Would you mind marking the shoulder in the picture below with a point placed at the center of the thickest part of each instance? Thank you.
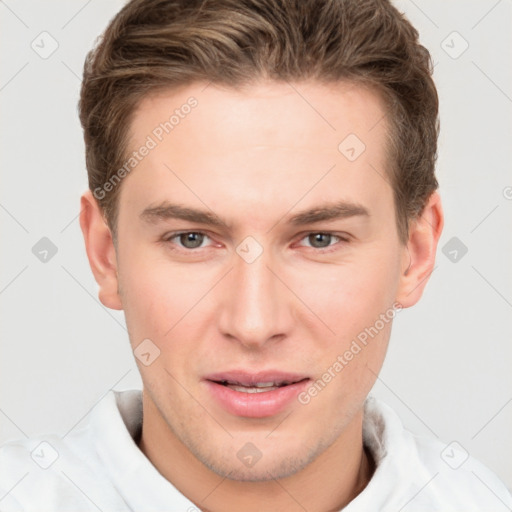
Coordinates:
(44, 472)
(419, 473)
(456, 477)
(49, 472)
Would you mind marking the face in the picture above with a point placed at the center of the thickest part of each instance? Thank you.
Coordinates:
(257, 242)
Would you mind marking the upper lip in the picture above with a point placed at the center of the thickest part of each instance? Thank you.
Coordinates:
(245, 378)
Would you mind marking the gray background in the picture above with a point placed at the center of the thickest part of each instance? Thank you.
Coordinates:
(448, 369)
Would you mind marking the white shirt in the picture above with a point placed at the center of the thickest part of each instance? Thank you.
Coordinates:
(100, 467)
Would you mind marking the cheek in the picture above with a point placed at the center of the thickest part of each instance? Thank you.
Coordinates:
(153, 297)
(166, 302)
(350, 296)
(156, 301)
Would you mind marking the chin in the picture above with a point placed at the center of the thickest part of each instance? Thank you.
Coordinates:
(267, 468)
(259, 472)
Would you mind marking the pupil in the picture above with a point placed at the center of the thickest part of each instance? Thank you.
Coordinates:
(191, 240)
(320, 240)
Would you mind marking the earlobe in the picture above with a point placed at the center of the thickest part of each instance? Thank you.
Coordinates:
(100, 250)
(420, 252)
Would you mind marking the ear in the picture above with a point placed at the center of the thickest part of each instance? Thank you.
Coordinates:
(100, 250)
(420, 252)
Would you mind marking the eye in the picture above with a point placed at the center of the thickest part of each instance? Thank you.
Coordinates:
(321, 240)
(188, 239)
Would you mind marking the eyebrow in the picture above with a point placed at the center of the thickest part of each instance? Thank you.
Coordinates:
(167, 211)
(329, 211)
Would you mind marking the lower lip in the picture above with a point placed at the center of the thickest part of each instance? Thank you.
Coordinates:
(255, 405)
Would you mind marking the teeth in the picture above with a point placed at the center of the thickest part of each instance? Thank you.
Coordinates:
(256, 385)
(256, 389)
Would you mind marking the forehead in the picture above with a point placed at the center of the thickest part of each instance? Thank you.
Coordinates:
(262, 113)
(268, 143)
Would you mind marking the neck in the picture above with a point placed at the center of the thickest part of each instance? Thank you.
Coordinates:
(328, 483)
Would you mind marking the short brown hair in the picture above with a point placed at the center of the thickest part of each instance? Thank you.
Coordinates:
(152, 45)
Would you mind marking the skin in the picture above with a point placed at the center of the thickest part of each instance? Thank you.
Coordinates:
(256, 156)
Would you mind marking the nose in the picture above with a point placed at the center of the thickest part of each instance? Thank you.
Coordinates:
(256, 309)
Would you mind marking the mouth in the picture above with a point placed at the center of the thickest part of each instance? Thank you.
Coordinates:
(257, 387)
(255, 395)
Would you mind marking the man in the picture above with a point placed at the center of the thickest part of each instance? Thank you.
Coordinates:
(262, 204)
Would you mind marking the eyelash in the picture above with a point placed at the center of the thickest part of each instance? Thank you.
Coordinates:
(170, 236)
